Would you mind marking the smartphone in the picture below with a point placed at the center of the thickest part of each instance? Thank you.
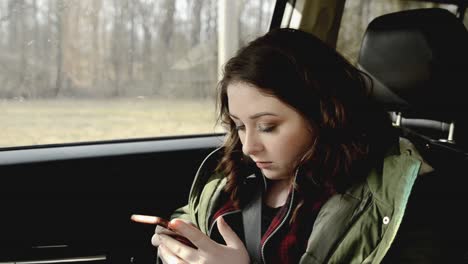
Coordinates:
(156, 220)
(148, 219)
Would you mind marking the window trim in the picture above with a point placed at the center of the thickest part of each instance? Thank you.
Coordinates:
(47, 153)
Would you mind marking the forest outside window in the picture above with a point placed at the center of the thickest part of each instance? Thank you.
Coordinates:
(91, 70)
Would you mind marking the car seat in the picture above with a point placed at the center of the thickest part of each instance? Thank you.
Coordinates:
(418, 62)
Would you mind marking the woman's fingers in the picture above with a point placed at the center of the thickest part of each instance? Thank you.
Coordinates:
(188, 230)
(167, 256)
(229, 236)
(164, 231)
(158, 231)
(155, 240)
(186, 221)
(207, 251)
(179, 249)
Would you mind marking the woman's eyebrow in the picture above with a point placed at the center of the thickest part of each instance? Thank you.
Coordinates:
(255, 116)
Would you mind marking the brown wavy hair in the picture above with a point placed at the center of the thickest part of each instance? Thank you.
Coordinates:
(328, 91)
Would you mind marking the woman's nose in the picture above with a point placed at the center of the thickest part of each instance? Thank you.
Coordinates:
(252, 144)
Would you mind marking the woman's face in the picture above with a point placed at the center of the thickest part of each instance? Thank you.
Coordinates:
(273, 134)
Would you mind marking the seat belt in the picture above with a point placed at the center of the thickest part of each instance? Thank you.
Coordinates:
(252, 222)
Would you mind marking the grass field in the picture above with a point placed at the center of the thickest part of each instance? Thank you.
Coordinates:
(53, 121)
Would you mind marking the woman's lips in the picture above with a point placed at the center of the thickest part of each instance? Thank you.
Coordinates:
(263, 164)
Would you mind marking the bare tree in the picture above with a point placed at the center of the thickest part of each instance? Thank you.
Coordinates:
(59, 14)
(145, 10)
(46, 44)
(212, 20)
(167, 25)
(96, 53)
(36, 30)
(21, 39)
(132, 33)
(13, 7)
(166, 30)
(117, 45)
(196, 7)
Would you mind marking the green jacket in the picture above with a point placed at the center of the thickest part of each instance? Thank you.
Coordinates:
(355, 227)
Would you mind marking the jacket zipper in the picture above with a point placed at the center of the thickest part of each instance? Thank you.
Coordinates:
(280, 225)
(282, 221)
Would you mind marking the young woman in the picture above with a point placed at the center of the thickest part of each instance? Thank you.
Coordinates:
(311, 170)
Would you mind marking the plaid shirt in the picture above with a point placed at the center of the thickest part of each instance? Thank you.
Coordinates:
(284, 241)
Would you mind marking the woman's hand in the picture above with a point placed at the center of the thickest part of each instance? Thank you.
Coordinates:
(160, 231)
(208, 251)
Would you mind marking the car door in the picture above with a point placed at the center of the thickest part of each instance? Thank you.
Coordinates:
(107, 110)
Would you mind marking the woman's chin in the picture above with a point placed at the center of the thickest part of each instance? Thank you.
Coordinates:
(273, 175)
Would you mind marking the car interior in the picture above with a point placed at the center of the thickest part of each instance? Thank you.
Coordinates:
(72, 203)
(417, 60)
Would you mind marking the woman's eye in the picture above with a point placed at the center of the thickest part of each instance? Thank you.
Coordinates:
(240, 127)
(266, 129)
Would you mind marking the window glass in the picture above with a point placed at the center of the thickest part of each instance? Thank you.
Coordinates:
(359, 13)
(465, 20)
(91, 70)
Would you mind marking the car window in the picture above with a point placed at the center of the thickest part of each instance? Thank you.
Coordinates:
(465, 20)
(358, 13)
(92, 70)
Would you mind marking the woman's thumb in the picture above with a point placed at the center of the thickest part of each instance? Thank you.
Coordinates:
(231, 238)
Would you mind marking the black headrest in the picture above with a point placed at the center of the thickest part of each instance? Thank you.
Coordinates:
(418, 60)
